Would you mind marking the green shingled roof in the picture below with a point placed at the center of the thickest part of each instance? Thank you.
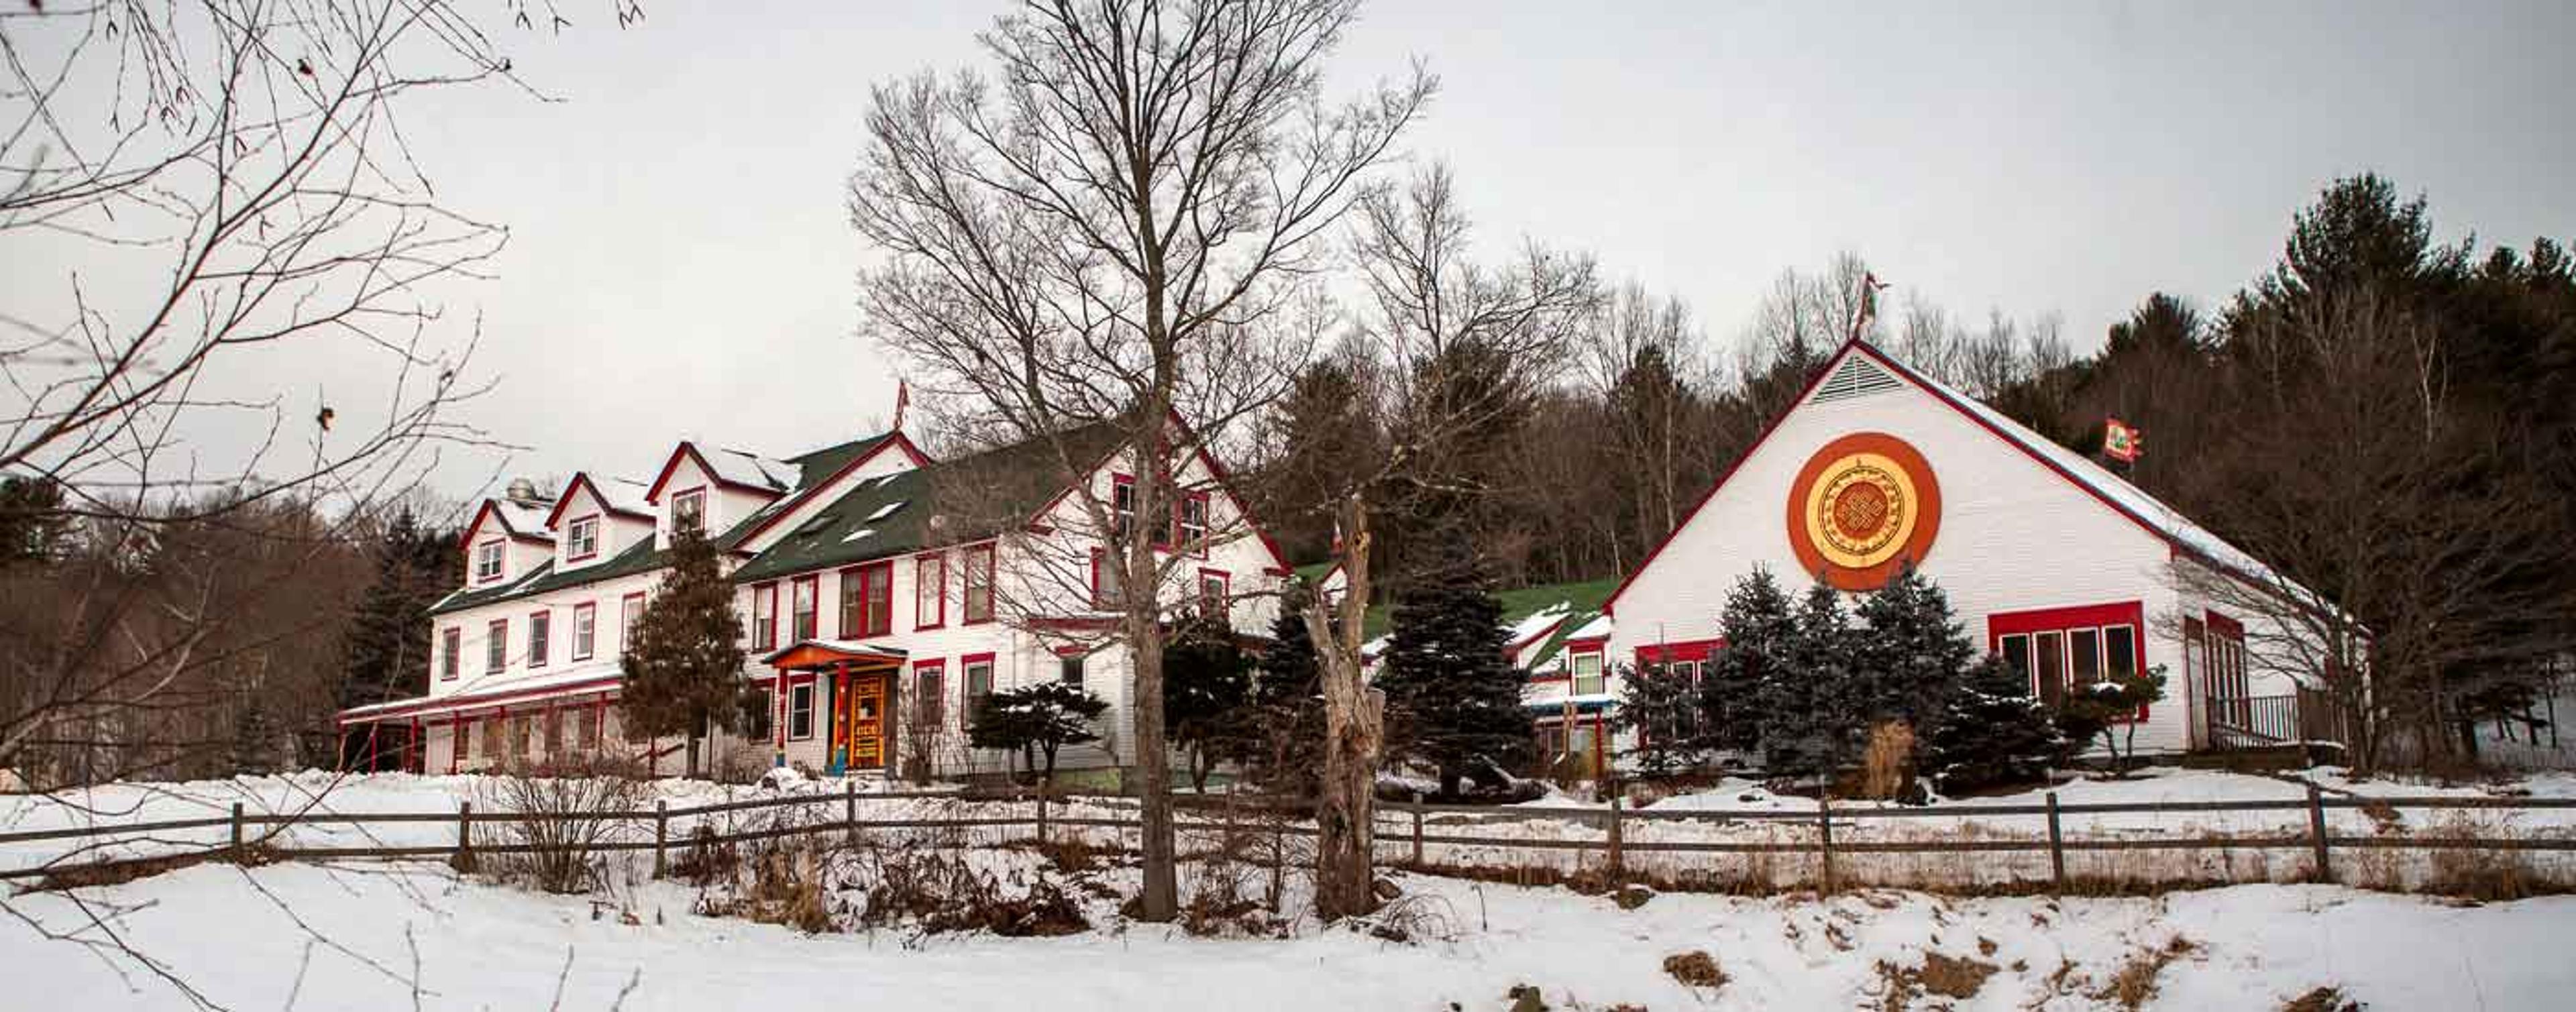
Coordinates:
(973, 497)
(1583, 599)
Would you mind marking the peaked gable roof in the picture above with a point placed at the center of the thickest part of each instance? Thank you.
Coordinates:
(628, 504)
(518, 520)
(821, 469)
(2150, 514)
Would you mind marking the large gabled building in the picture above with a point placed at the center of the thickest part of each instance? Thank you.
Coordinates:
(882, 594)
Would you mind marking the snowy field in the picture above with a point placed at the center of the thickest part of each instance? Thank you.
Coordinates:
(376, 936)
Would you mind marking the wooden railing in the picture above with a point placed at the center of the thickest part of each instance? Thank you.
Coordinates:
(1828, 834)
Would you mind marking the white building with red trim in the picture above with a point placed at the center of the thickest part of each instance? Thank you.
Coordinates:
(882, 594)
(2054, 563)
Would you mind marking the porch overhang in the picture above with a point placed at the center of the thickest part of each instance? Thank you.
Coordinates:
(520, 693)
(834, 655)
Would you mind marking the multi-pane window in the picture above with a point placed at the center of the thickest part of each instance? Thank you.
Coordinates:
(867, 600)
(930, 680)
(587, 728)
(1192, 521)
(764, 616)
(978, 674)
(1122, 507)
(1069, 669)
(979, 584)
(800, 711)
(541, 632)
(451, 644)
(2062, 652)
(496, 645)
(581, 540)
(801, 593)
(1587, 672)
(585, 630)
(630, 618)
(487, 561)
(689, 511)
(930, 592)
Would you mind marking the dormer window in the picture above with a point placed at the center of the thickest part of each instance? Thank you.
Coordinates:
(487, 561)
(689, 511)
(581, 540)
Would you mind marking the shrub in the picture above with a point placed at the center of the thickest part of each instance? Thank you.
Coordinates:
(555, 806)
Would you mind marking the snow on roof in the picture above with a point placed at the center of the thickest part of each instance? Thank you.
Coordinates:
(2165, 520)
(527, 520)
(1595, 629)
(884, 511)
(742, 468)
(480, 690)
(860, 533)
(1537, 623)
(623, 494)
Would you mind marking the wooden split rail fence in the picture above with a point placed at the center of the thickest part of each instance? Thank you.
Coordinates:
(1401, 829)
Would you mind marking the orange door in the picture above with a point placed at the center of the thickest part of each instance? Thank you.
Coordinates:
(868, 721)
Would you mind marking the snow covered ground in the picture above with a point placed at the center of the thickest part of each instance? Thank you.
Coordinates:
(378, 936)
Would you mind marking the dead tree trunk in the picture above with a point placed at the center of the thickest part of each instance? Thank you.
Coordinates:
(1354, 736)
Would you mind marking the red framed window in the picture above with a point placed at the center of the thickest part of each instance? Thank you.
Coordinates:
(451, 646)
(2219, 642)
(977, 592)
(1108, 580)
(496, 646)
(1190, 523)
(487, 561)
(581, 538)
(764, 615)
(585, 630)
(630, 615)
(804, 607)
(867, 599)
(1215, 592)
(2063, 650)
(930, 680)
(800, 710)
(1122, 507)
(689, 510)
(976, 673)
(930, 591)
(541, 634)
(1689, 660)
(1588, 672)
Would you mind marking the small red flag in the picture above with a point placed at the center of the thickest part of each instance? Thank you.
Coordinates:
(2122, 443)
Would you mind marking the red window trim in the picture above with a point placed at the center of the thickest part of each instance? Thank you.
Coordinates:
(1682, 650)
(499, 572)
(590, 610)
(626, 629)
(537, 658)
(699, 491)
(1207, 523)
(1119, 480)
(1099, 556)
(452, 666)
(918, 563)
(1223, 577)
(764, 633)
(966, 615)
(939, 665)
(499, 629)
(596, 523)
(2062, 620)
(869, 624)
(1599, 647)
(814, 580)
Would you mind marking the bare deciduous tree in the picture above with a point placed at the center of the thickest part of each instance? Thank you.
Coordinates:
(1118, 227)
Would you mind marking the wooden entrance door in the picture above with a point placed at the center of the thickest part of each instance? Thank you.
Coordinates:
(867, 721)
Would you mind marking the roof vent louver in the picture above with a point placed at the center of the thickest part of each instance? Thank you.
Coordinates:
(1857, 377)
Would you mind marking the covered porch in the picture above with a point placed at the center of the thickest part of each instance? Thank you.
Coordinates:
(837, 699)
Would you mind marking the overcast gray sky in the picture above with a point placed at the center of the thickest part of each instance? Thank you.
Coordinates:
(680, 264)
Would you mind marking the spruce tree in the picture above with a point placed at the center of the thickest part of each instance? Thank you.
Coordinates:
(1453, 698)
(1808, 721)
(1660, 706)
(1207, 687)
(1758, 631)
(1283, 743)
(1990, 732)
(388, 647)
(1911, 654)
(1037, 721)
(684, 664)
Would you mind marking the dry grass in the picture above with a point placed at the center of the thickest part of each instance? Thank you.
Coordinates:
(1889, 764)
(1695, 969)
(2134, 983)
(2324, 999)
(1952, 977)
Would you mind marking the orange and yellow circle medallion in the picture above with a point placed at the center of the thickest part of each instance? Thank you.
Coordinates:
(1861, 507)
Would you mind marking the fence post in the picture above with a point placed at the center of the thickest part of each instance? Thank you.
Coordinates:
(850, 810)
(237, 831)
(464, 831)
(1417, 830)
(2056, 847)
(1042, 816)
(661, 835)
(1618, 860)
(1825, 827)
(2317, 833)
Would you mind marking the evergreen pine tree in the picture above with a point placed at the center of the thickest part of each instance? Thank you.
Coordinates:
(1453, 699)
(1283, 743)
(1990, 732)
(1207, 687)
(1912, 653)
(684, 664)
(1661, 707)
(1037, 721)
(1808, 722)
(389, 636)
(1758, 631)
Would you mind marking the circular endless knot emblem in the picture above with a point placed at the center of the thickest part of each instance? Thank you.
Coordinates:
(1860, 507)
